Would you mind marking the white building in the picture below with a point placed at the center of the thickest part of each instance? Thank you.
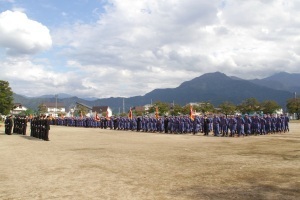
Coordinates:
(54, 108)
(18, 108)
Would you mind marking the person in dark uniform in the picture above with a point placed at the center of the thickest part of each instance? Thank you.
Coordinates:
(206, 123)
(43, 127)
(16, 124)
(166, 124)
(138, 124)
(32, 121)
(24, 125)
(38, 127)
(8, 125)
(20, 125)
(47, 128)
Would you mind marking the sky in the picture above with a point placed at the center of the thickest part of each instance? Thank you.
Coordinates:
(125, 48)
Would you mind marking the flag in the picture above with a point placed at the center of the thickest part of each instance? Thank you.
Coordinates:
(156, 113)
(81, 115)
(130, 113)
(106, 116)
(191, 113)
(96, 117)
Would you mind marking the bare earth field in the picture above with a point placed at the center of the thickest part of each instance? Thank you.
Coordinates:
(87, 163)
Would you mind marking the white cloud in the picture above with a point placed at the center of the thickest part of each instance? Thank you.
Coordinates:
(162, 43)
(138, 46)
(20, 35)
(30, 78)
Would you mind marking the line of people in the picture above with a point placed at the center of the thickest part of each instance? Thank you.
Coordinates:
(17, 125)
(39, 126)
(8, 125)
(220, 125)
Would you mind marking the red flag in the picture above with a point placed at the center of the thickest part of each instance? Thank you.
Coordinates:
(130, 113)
(191, 113)
(96, 117)
(156, 113)
(106, 116)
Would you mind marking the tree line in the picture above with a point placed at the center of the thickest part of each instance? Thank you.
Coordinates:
(250, 105)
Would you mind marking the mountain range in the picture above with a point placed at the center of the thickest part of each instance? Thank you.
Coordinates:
(211, 87)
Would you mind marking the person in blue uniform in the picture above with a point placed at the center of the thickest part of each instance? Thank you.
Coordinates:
(263, 122)
(224, 125)
(286, 123)
(273, 124)
(216, 125)
(195, 125)
(255, 125)
(278, 124)
(232, 125)
(247, 126)
(282, 123)
(240, 125)
(268, 124)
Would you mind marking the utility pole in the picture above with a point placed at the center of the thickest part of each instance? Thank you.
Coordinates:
(295, 99)
(55, 105)
(123, 106)
(297, 104)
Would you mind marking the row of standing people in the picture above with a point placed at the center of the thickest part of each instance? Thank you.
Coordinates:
(254, 125)
(17, 125)
(219, 125)
(8, 125)
(39, 126)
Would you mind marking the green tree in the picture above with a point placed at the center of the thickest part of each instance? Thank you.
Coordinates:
(293, 106)
(81, 109)
(249, 105)
(227, 108)
(269, 106)
(206, 107)
(42, 109)
(175, 109)
(6, 98)
(27, 112)
(186, 109)
(138, 113)
(123, 114)
(163, 108)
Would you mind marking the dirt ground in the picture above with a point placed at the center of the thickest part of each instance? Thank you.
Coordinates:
(87, 163)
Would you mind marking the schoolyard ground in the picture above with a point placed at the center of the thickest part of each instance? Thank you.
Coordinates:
(88, 163)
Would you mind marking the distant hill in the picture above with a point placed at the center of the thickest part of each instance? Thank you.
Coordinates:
(281, 81)
(217, 88)
(59, 95)
(89, 98)
(213, 87)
